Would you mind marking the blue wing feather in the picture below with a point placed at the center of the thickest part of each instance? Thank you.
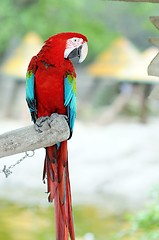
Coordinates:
(70, 99)
(30, 96)
(30, 89)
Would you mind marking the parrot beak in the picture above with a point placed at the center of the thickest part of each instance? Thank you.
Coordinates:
(80, 52)
(83, 51)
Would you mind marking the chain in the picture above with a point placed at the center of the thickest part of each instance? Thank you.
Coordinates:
(6, 170)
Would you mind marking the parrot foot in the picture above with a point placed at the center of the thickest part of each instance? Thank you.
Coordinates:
(44, 123)
(54, 116)
(39, 124)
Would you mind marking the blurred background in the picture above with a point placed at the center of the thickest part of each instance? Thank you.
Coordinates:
(113, 154)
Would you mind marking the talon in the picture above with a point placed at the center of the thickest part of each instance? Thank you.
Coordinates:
(54, 116)
(65, 117)
(37, 128)
(39, 123)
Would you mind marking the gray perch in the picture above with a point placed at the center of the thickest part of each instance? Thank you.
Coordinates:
(27, 138)
(153, 68)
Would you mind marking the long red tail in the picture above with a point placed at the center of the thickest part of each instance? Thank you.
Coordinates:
(58, 183)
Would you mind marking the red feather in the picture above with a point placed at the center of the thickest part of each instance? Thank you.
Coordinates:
(49, 90)
(50, 69)
(56, 170)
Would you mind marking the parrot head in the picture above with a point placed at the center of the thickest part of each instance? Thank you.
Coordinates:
(68, 45)
(76, 46)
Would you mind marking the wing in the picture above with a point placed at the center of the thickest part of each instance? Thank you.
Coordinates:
(70, 99)
(30, 96)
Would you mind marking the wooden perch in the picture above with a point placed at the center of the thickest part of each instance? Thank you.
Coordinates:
(155, 21)
(27, 138)
(153, 68)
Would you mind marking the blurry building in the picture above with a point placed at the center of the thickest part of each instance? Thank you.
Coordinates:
(122, 66)
(12, 76)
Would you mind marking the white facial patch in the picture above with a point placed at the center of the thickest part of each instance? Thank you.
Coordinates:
(74, 43)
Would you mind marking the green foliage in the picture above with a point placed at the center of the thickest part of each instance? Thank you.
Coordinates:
(19, 222)
(101, 21)
(32, 222)
(49, 17)
(145, 225)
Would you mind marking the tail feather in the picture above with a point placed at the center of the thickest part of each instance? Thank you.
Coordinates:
(69, 207)
(58, 184)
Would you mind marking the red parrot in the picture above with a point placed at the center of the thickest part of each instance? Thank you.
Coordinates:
(51, 89)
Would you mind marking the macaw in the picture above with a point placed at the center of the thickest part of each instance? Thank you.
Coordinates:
(51, 89)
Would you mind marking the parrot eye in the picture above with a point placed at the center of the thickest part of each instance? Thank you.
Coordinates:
(74, 39)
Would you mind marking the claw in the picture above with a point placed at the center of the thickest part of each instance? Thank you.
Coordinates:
(39, 123)
(44, 123)
(54, 116)
(65, 116)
